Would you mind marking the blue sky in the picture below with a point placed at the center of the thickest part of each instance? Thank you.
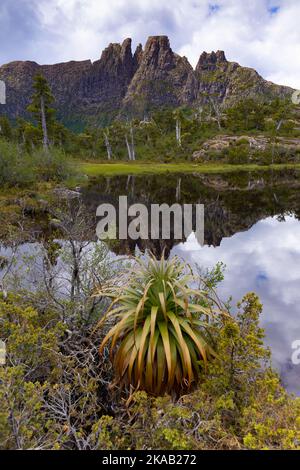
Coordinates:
(263, 34)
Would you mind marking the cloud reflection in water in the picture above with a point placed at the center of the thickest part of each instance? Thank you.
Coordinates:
(265, 259)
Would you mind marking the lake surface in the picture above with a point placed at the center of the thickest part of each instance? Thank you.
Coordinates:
(252, 225)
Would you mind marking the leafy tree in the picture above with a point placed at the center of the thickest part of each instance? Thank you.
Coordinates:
(280, 110)
(40, 106)
(60, 134)
(246, 115)
(32, 135)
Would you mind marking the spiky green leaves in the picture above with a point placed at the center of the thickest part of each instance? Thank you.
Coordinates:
(159, 343)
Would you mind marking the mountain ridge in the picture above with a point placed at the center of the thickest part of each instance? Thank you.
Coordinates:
(126, 83)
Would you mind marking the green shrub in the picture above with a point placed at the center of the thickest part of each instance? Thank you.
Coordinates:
(243, 141)
(52, 165)
(15, 167)
(237, 154)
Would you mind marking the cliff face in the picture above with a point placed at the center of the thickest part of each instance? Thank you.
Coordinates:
(161, 78)
(123, 83)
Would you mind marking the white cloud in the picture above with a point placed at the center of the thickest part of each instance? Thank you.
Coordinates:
(263, 34)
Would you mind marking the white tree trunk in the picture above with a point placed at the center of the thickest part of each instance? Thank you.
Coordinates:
(44, 124)
(279, 125)
(128, 148)
(178, 132)
(200, 113)
(132, 144)
(108, 146)
(217, 112)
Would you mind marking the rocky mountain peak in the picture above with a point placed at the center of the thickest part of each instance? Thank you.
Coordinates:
(158, 52)
(121, 83)
(126, 52)
(157, 42)
(221, 56)
(112, 50)
(138, 55)
(115, 53)
(210, 61)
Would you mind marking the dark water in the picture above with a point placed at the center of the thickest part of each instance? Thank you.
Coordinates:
(252, 224)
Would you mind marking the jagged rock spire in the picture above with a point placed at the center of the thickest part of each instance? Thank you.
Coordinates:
(138, 55)
(210, 61)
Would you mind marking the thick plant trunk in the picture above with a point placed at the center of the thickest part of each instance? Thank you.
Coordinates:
(44, 125)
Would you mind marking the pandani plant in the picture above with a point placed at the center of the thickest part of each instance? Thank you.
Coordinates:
(161, 341)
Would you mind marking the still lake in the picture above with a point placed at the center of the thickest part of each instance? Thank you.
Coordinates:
(252, 225)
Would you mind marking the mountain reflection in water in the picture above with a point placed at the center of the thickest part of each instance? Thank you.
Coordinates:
(251, 224)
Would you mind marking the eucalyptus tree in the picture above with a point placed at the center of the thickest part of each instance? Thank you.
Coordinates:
(216, 108)
(282, 111)
(178, 116)
(107, 144)
(130, 143)
(182, 116)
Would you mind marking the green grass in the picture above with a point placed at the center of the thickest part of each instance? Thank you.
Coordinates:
(111, 169)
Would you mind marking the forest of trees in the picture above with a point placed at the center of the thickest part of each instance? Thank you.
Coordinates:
(164, 135)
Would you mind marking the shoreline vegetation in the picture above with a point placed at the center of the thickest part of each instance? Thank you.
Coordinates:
(94, 169)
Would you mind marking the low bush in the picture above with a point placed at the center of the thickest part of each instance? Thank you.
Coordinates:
(20, 168)
(52, 165)
(16, 168)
